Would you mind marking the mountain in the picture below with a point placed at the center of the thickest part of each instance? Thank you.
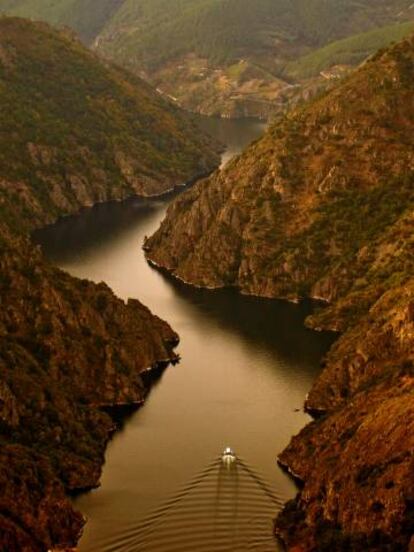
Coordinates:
(230, 58)
(73, 131)
(76, 131)
(86, 17)
(323, 207)
(349, 51)
(154, 31)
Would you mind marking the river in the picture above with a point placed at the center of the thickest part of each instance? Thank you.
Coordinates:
(247, 364)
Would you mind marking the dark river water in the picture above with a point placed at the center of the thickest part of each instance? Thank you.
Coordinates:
(246, 367)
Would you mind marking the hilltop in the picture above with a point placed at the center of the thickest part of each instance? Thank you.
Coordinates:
(151, 33)
(347, 52)
(323, 207)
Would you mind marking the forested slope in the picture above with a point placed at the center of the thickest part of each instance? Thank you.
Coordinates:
(229, 57)
(73, 131)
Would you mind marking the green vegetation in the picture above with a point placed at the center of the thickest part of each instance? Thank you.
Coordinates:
(76, 130)
(348, 51)
(228, 57)
(86, 17)
(326, 182)
(151, 32)
(353, 220)
(322, 206)
(357, 218)
(66, 347)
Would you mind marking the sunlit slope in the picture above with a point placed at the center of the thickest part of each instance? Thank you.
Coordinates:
(348, 51)
(76, 130)
(86, 17)
(154, 31)
(229, 58)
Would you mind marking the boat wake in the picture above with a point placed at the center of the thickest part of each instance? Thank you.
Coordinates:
(227, 507)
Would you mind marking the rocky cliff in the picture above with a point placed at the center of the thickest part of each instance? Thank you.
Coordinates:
(67, 348)
(74, 131)
(323, 207)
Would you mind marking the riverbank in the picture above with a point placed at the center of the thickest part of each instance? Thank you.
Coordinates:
(322, 206)
(68, 348)
(242, 376)
(74, 133)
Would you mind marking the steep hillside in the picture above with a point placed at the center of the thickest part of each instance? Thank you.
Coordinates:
(329, 179)
(323, 207)
(154, 31)
(348, 51)
(86, 17)
(232, 58)
(67, 348)
(191, 49)
(75, 131)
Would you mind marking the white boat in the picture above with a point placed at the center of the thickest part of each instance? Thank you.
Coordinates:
(228, 456)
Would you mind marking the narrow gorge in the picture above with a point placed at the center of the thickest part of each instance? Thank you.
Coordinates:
(270, 252)
(246, 365)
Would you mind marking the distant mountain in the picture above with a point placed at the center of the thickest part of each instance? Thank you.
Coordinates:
(348, 51)
(152, 32)
(86, 17)
(323, 207)
(73, 131)
(225, 57)
(76, 131)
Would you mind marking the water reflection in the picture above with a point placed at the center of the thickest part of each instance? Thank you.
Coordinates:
(237, 134)
(263, 324)
(246, 367)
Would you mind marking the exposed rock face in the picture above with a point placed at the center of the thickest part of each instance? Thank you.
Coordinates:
(77, 131)
(357, 465)
(323, 207)
(86, 334)
(35, 513)
(67, 347)
(74, 132)
(381, 339)
(284, 211)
